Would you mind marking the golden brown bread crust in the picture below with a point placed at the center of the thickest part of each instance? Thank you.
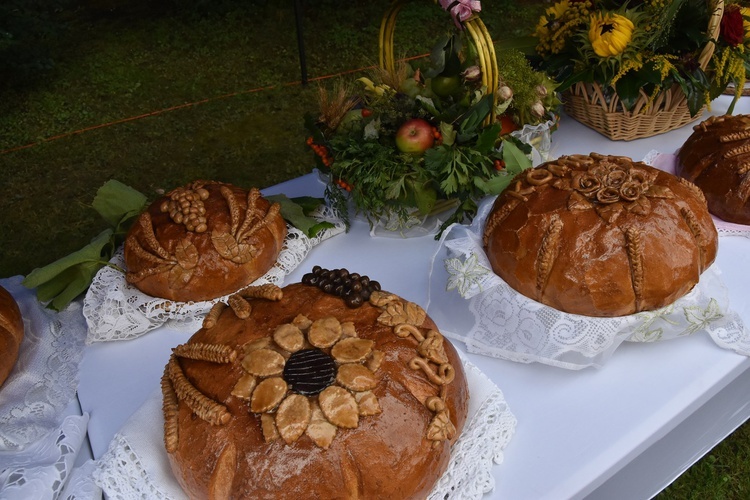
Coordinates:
(233, 239)
(11, 333)
(716, 157)
(386, 454)
(600, 235)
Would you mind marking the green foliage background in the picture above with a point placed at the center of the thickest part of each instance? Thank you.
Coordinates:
(73, 65)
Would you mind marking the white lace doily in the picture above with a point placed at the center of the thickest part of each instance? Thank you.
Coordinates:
(667, 162)
(136, 463)
(44, 380)
(474, 305)
(43, 469)
(116, 310)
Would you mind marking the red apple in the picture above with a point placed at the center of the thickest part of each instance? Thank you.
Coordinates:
(415, 136)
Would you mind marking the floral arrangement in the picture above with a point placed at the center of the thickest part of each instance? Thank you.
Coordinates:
(427, 138)
(626, 46)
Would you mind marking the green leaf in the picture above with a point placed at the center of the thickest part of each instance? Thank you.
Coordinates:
(587, 75)
(628, 89)
(65, 279)
(694, 87)
(476, 114)
(424, 196)
(448, 133)
(438, 158)
(296, 211)
(437, 56)
(82, 276)
(50, 289)
(117, 202)
(495, 184)
(487, 138)
(92, 251)
(428, 104)
(515, 160)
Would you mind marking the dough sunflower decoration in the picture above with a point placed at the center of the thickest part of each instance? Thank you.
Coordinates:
(310, 377)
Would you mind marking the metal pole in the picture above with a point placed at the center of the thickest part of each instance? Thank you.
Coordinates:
(300, 41)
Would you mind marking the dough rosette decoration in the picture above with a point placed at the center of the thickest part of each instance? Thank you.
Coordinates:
(614, 185)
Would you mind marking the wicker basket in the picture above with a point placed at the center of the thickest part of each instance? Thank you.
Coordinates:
(591, 105)
(474, 27)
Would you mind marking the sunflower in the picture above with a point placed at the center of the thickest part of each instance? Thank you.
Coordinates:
(558, 24)
(550, 21)
(610, 33)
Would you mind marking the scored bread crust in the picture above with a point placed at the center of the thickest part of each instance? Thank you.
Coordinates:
(386, 455)
(239, 241)
(716, 157)
(600, 235)
(11, 333)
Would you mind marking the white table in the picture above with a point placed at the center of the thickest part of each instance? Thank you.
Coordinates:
(624, 431)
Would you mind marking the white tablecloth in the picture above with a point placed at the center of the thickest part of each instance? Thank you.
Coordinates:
(623, 431)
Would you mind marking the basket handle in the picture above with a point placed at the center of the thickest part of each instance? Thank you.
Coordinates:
(714, 25)
(473, 26)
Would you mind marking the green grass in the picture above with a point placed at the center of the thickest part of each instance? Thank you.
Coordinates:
(237, 60)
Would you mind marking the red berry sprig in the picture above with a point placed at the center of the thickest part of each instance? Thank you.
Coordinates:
(321, 151)
(437, 135)
(343, 184)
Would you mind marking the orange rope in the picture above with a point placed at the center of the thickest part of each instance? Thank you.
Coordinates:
(188, 105)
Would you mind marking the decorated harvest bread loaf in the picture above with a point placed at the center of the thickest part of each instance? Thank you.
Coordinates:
(716, 157)
(329, 388)
(600, 235)
(203, 241)
(11, 333)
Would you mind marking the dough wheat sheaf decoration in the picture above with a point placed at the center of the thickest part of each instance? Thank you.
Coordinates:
(310, 377)
(742, 150)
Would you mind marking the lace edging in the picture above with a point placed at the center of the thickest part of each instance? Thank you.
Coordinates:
(483, 440)
(120, 472)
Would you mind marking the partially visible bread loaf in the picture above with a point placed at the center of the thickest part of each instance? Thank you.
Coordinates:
(600, 235)
(299, 393)
(716, 157)
(203, 241)
(11, 333)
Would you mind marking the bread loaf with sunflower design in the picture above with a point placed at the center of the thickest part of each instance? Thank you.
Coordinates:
(600, 235)
(202, 241)
(716, 157)
(329, 388)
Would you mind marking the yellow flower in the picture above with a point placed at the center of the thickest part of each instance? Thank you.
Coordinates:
(610, 34)
(552, 16)
(745, 11)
